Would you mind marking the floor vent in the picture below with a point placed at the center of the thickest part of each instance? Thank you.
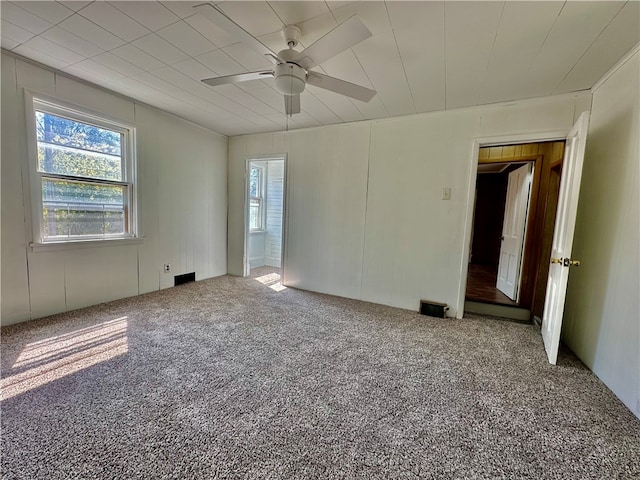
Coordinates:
(185, 278)
(433, 309)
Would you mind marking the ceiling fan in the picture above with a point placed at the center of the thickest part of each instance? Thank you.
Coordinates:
(292, 69)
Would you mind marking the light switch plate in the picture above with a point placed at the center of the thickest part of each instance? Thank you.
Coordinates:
(446, 193)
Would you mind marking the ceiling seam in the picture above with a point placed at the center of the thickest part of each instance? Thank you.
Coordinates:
(444, 46)
(110, 91)
(320, 100)
(210, 69)
(493, 46)
(325, 106)
(71, 49)
(404, 70)
(275, 13)
(546, 36)
(15, 4)
(324, 71)
(589, 47)
(195, 58)
(193, 104)
(53, 25)
(114, 5)
(336, 20)
(368, 78)
(258, 99)
(170, 65)
(33, 35)
(126, 42)
(296, 23)
(102, 50)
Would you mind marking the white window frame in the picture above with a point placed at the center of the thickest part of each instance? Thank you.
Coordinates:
(261, 198)
(44, 103)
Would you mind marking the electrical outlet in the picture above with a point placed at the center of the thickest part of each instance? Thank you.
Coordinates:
(167, 268)
(446, 193)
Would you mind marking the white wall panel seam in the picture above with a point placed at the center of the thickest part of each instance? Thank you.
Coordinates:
(366, 209)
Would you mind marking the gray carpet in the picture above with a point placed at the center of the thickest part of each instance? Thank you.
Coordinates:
(230, 378)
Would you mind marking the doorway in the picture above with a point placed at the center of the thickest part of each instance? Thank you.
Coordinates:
(515, 196)
(264, 214)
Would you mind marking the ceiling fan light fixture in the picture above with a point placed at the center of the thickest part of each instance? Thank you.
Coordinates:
(290, 79)
(292, 70)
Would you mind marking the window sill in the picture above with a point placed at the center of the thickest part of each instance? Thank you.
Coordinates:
(76, 244)
(255, 232)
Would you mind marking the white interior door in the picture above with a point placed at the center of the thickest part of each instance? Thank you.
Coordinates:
(513, 231)
(563, 236)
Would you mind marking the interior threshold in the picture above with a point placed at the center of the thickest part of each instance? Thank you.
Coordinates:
(497, 310)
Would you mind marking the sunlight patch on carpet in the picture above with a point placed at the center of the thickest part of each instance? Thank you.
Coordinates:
(272, 280)
(53, 358)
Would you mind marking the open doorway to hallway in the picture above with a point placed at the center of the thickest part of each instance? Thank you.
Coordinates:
(265, 213)
(514, 215)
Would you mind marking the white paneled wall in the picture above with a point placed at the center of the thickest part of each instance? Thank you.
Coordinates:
(15, 280)
(601, 315)
(182, 205)
(414, 240)
(256, 249)
(364, 215)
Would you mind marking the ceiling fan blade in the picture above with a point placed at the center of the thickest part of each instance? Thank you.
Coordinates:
(340, 86)
(214, 15)
(291, 104)
(239, 77)
(349, 33)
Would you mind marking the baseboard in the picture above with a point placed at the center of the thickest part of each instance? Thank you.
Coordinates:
(256, 262)
(15, 318)
(272, 262)
(504, 311)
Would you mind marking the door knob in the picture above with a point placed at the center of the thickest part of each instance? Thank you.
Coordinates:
(565, 262)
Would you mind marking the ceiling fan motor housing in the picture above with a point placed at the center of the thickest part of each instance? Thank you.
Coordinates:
(290, 79)
(291, 34)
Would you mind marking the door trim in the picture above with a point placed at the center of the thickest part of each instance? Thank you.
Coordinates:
(473, 173)
(247, 231)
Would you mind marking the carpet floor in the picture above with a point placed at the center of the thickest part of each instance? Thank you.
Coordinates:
(242, 378)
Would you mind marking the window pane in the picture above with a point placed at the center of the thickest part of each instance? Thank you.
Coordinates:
(254, 182)
(69, 147)
(79, 163)
(71, 133)
(77, 209)
(254, 215)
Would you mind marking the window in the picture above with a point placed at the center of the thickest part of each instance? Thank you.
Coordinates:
(82, 171)
(256, 198)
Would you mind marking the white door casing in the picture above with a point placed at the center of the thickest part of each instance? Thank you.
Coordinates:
(514, 230)
(264, 160)
(563, 236)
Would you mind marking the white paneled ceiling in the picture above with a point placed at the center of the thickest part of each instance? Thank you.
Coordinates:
(423, 56)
